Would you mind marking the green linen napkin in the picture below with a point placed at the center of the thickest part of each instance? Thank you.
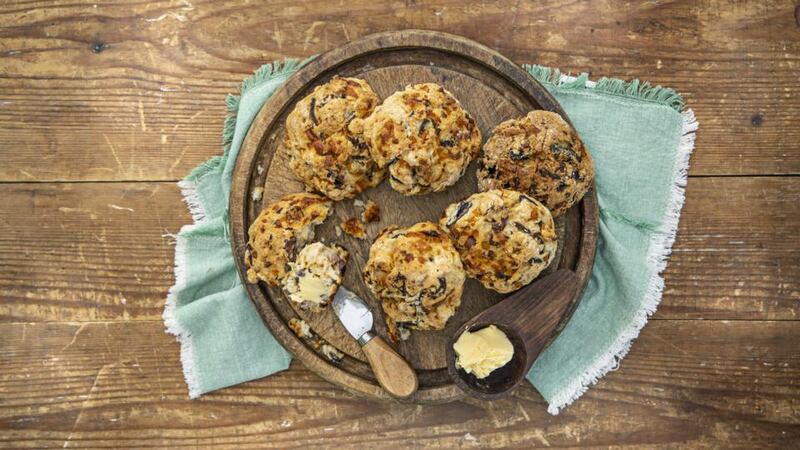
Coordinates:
(640, 140)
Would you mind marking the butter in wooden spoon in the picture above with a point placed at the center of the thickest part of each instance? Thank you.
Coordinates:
(482, 352)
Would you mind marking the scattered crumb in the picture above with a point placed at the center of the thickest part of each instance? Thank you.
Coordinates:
(338, 232)
(358, 203)
(301, 328)
(328, 429)
(470, 437)
(332, 353)
(372, 213)
(286, 424)
(260, 169)
(121, 208)
(354, 227)
(257, 194)
(404, 333)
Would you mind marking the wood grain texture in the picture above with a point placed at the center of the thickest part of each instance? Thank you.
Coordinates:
(120, 384)
(68, 253)
(489, 86)
(393, 372)
(134, 91)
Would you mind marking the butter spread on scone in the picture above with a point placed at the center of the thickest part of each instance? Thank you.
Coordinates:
(539, 154)
(505, 238)
(279, 231)
(315, 276)
(417, 275)
(424, 137)
(324, 139)
(482, 352)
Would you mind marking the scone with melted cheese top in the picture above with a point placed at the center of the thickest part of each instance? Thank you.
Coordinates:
(539, 154)
(324, 139)
(424, 137)
(417, 275)
(505, 238)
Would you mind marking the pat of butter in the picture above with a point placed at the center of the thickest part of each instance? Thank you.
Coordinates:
(312, 288)
(482, 352)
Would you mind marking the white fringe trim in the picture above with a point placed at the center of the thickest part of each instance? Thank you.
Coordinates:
(171, 322)
(192, 200)
(657, 255)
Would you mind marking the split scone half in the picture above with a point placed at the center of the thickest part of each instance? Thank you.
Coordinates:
(280, 252)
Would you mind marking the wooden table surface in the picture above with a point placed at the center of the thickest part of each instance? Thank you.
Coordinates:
(105, 105)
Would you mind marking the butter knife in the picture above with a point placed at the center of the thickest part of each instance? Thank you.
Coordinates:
(393, 372)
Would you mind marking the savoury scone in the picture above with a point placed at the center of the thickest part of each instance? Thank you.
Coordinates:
(539, 154)
(279, 231)
(425, 138)
(417, 275)
(324, 139)
(505, 238)
(315, 275)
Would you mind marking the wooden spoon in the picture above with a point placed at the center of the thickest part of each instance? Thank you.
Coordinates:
(529, 318)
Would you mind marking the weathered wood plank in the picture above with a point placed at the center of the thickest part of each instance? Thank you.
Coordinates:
(704, 383)
(736, 253)
(87, 251)
(135, 91)
(98, 251)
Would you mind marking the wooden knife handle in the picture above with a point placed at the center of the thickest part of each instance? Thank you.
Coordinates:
(393, 372)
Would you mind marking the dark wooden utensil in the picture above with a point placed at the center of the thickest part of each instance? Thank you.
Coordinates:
(530, 318)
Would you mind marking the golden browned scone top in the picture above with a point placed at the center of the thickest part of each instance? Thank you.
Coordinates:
(539, 154)
(424, 137)
(417, 275)
(505, 238)
(324, 139)
(279, 232)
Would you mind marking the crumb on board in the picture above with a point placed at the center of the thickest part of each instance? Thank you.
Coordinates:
(470, 437)
(372, 213)
(257, 194)
(301, 328)
(354, 227)
(260, 169)
(403, 333)
(332, 353)
(358, 203)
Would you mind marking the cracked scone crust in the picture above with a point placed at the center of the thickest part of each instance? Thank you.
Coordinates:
(424, 137)
(505, 238)
(539, 154)
(324, 139)
(279, 231)
(315, 275)
(417, 275)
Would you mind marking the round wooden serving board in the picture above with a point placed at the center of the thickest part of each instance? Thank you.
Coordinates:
(492, 89)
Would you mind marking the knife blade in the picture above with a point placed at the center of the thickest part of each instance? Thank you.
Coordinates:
(353, 313)
(394, 374)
